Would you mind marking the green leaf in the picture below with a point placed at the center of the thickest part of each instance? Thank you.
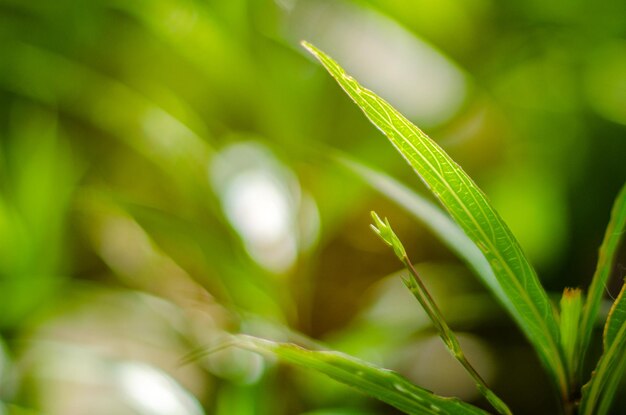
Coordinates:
(597, 395)
(469, 207)
(614, 322)
(571, 307)
(438, 221)
(608, 251)
(383, 384)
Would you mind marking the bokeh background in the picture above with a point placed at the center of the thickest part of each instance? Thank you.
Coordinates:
(168, 174)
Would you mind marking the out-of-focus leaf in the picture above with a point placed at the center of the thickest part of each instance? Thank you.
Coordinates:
(608, 251)
(571, 306)
(41, 174)
(435, 219)
(195, 34)
(172, 238)
(469, 207)
(382, 384)
(236, 400)
(597, 395)
(173, 141)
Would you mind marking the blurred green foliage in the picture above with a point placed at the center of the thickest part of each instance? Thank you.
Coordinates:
(164, 179)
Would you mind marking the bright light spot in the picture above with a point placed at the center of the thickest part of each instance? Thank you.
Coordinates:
(258, 209)
(257, 206)
(261, 198)
(154, 393)
(414, 77)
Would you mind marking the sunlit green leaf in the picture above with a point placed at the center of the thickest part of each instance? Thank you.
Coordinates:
(469, 207)
(608, 251)
(383, 384)
(597, 395)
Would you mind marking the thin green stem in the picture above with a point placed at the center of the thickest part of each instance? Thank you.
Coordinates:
(421, 293)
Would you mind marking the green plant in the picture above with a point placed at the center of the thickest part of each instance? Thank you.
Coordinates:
(483, 240)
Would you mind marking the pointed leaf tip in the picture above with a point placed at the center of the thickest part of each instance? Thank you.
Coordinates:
(310, 48)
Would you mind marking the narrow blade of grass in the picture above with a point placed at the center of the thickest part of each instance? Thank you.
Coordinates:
(598, 394)
(382, 384)
(469, 207)
(608, 250)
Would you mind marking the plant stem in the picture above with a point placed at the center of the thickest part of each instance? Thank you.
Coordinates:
(416, 286)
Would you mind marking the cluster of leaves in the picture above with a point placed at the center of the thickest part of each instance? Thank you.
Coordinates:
(560, 338)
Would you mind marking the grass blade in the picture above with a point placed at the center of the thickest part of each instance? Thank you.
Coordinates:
(382, 384)
(469, 207)
(608, 251)
(415, 284)
(598, 394)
